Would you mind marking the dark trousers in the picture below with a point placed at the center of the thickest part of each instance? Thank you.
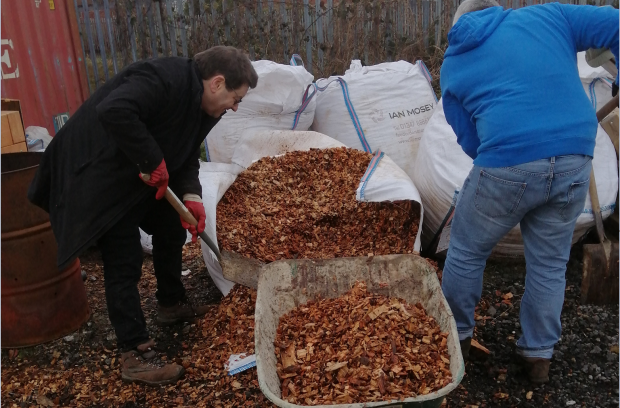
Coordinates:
(122, 263)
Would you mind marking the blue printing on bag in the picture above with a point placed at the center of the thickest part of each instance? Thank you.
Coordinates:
(428, 77)
(294, 59)
(603, 208)
(242, 368)
(372, 166)
(352, 113)
(305, 101)
(592, 93)
(207, 150)
(606, 81)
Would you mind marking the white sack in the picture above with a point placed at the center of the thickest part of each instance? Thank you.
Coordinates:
(442, 166)
(37, 138)
(146, 241)
(272, 105)
(392, 101)
(386, 183)
(215, 179)
(596, 82)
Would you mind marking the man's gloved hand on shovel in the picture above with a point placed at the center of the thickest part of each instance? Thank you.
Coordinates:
(193, 202)
(158, 178)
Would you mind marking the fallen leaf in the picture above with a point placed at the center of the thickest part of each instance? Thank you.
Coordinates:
(529, 395)
(479, 346)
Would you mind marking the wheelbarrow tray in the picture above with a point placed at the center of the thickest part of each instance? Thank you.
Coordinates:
(285, 284)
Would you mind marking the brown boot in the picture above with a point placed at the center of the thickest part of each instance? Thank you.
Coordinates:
(537, 369)
(142, 366)
(183, 311)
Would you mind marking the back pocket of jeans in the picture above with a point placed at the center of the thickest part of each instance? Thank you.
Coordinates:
(496, 197)
(575, 199)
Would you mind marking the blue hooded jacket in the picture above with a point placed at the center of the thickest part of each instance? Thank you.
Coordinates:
(510, 85)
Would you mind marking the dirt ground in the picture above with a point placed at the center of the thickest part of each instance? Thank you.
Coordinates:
(82, 369)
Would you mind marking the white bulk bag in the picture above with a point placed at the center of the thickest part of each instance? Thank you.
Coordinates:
(596, 82)
(384, 106)
(384, 181)
(442, 166)
(146, 241)
(277, 103)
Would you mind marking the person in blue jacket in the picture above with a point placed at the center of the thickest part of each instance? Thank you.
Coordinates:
(511, 92)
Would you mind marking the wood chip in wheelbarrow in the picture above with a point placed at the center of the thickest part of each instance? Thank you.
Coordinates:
(303, 205)
(360, 347)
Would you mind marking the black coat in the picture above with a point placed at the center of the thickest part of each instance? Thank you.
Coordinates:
(88, 176)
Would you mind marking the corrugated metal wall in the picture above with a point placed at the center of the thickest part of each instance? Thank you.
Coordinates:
(42, 60)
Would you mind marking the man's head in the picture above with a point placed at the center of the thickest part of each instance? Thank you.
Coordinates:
(472, 5)
(227, 75)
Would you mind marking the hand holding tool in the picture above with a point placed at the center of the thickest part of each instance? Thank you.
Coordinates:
(158, 178)
(187, 216)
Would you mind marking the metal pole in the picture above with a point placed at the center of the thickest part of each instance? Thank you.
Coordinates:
(108, 19)
(172, 28)
(319, 33)
(91, 43)
(308, 35)
(283, 14)
(101, 39)
(162, 35)
(77, 17)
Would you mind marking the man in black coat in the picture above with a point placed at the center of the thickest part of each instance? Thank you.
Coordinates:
(149, 119)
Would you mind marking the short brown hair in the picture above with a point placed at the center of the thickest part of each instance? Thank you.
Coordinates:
(230, 62)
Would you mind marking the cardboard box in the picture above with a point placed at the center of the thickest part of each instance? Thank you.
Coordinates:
(15, 148)
(12, 128)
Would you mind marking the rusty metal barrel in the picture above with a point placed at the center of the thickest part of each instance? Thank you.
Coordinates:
(39, 302)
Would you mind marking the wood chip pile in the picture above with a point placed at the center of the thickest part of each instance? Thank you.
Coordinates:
(360, 347)
(229, 329)
(302, 205)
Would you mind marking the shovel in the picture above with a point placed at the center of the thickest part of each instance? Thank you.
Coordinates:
(188, 217)
(600, 261)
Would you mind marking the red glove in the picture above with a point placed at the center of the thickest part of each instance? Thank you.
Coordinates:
(158, 178)
(194, 206)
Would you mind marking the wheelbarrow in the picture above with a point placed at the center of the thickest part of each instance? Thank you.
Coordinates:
(284, 284)
(599, 284)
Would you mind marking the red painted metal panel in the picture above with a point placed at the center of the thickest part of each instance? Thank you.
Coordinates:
(42, 62)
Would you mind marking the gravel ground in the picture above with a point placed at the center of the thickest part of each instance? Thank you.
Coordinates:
(584, 368)
(82, 369)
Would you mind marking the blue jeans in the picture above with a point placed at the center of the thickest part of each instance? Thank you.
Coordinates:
(545, 197)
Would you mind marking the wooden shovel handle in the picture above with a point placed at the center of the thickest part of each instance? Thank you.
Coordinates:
(190, 219)
(180, 208)
(607, 108)
(596, 208)
(187, 217)
(176, 203)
